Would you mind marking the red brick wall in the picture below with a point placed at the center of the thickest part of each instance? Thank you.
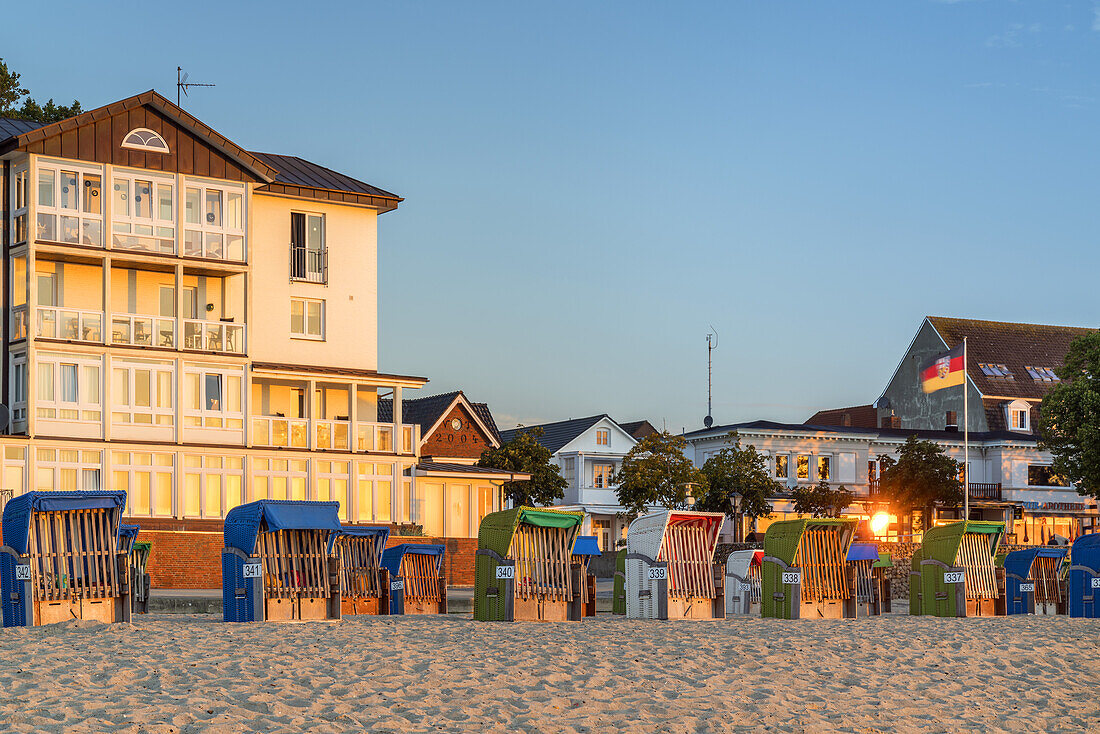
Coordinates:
(467, 443)
(458, 560)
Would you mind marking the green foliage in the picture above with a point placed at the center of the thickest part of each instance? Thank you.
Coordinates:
(525, 454)
(11, 92)
(737, 470)
(656, 472)
(922, 476)
(1069, 418)
(821, 500)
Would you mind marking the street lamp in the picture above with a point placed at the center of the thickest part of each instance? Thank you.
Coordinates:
(735, 505)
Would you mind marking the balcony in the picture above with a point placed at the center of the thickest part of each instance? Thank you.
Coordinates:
(140, 330)
(978, 491)
(213, 336)
(280, 432)
(308, 264)
(19, 323)
(330, 434)
(55, 322)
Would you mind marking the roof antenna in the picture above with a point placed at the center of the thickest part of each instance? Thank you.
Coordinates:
(182, 84)
(712, 344)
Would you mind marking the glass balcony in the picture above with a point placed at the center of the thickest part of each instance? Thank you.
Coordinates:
(19, 323)
(213, 336)
(55, 322)
(280, 432)
(332, 434)
(143, 331)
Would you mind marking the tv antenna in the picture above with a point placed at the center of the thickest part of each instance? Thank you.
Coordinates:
(712, 344)
(182, 84)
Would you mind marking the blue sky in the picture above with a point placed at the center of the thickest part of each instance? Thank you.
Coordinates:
(590, 186)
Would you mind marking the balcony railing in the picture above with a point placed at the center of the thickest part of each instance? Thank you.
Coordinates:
(374, 437)
(55, 322)
(142, 330)
(280, 432)
(308, 264)
(213, 336)
(978, 490)
(331, 434)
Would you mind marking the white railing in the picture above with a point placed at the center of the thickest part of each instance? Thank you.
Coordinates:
(376, 437)
(143, 330)
(280, 432)
(331, 434)
(55, 322)
(213, 336)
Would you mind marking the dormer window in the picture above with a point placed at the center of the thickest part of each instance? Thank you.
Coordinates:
(1019, 416)
(1042, 374)
(145, 139)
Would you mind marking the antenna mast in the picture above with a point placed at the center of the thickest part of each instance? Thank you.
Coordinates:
(182, 84)
(712, 344)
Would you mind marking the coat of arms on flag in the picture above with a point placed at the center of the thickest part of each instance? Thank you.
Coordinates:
(943, 370)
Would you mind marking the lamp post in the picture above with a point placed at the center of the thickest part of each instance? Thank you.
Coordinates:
(735, 505)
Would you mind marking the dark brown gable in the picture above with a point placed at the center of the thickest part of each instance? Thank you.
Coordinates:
(466, 443)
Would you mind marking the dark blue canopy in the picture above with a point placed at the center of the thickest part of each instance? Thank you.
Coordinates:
(17, 513)
(862, 552)
(391, 557)
(129, 531)
(1019, 561)
(244, 523)
(360, 531)
(586, 545)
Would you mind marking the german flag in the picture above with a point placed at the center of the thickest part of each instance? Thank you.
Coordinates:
(945, 370)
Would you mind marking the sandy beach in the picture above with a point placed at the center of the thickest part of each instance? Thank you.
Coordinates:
(176, 673)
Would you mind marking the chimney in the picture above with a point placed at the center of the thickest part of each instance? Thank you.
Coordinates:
(891, 421)
(952, 422)
(846, 419)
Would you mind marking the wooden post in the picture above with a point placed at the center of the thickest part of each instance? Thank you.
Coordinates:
(1000, 604)
(576, 602)
(384, 591)
(718, 606)
(442, 580)
(851, 602)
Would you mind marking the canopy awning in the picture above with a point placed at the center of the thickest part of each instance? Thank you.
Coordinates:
(545, 519)
(586, 545)
(862, 552)
(244, 523)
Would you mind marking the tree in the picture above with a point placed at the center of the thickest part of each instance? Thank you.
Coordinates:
(656, 472)
(821, 500)
(1069, 417)
(525, 454)
(922, 476)
(11, 92)
(742, 471)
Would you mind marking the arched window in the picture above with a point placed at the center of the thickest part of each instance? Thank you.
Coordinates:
(145, 139)
(1019, 416)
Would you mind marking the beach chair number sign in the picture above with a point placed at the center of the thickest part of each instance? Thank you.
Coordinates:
(1096, 582)
(954, 577)
(658, 574)
(792, 578)
(506, 572)
(253, 571)
(743, 587)
(23, 573)
(1027, 587)
(398, 585)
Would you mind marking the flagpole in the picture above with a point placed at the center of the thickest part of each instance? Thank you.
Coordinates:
(966, 441)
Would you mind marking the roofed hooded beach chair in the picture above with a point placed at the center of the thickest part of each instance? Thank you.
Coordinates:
(957, 571)
(418, 582)
(670, 569)
(585, 549)
(276, 564)
(1034, 580)
(137, 553)
(62, 559)
(364, 583)
(871, 590)
(805, 573)
(1084, 577)
(743, 582)
(618, 586)
(524, 569)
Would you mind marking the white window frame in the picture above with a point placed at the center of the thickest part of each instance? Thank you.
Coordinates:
(129, 410)
(20, 203)
(1019, 407)
(610, 472)
(374, 477)
(132, 469)
(162, 232)
(204, 471)
(78, 213)
(322, 273)
(207, 416)
(263, 467)
(828, 459)
(56, 404)
(809, 467)
(305, 319)
(202, 227)
(605, 435)
(19, 397)
(330, 476)
(775, 467)
(145, 135)
(57, 465)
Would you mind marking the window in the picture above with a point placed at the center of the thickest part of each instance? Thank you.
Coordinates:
(213, 221)
(567, 469)
(1019, 414)
(68, 389)
(143, 213)
(70, 205)
(601, 475)
(147, 480)
(143, 138)
(19, 388)
(307, 318)
(212, 485)
(308, 254)
(332, 485)
(823, 466)
(15, 469)
(141, 393)
(782, 466)
(484, 502)
(995, 370)
(802, 467)
(373, 492)
(67, 470)
(603, 437)
(213, 399)
(1042, 374)
(279, 479)
(19, 205)
(1039, 475)
(872, 471)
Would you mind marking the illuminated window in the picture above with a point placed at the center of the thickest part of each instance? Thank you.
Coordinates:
(601, 475)
(603, 437)
(67, 469)
(823, 464)
(1019, 414)
(212, 485)
(802, 467)
(147, 479)
(782, 466)
(307, 318)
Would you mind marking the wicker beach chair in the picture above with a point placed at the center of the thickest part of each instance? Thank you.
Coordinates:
(670, 569)
(957, 571)
(364, 583)
(618, 586)
(1033, 581)
(523, 568)
(871, 590)
(418, 583)
(62, 560)
(137, 553)
(1084, 577)
(743, 587)
(276, 563)
(585, 549)
(805, 573)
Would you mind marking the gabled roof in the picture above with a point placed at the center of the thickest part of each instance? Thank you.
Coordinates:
(556, 435)
(639, 429)
(427, 411)
(860, 416)
(9, 127)
(1017, 346)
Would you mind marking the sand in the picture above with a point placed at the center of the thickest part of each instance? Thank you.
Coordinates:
(176, 673)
